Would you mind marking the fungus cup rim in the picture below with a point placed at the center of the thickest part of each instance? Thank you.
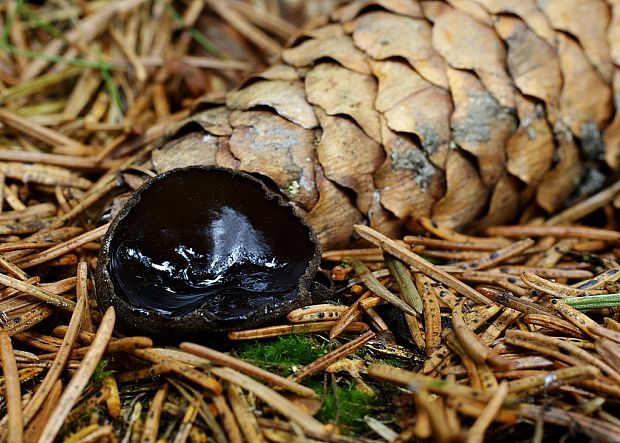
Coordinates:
(136, 319)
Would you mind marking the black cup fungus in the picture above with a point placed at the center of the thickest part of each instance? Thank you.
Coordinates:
(201, 250)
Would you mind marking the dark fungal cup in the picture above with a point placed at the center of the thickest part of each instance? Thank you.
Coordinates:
(204, 250)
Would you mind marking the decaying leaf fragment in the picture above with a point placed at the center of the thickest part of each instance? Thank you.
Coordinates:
(286, 97)
(349, 157)
(382, 35)
(409, 183)
(465, 195)
(333, 216)
(530, 149)
(480, 124)
(411, 104)
(577, 17)
(270, 145)
(453, 34)
(338, 48)
(340, 91)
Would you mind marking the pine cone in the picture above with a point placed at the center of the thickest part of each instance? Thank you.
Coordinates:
(462, 110)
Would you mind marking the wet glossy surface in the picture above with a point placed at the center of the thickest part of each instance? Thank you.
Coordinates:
(209, 246)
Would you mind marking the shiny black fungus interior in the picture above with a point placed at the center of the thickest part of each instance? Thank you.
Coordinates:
(205, 249)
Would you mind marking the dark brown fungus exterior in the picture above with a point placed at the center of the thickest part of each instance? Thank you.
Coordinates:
(202, 250)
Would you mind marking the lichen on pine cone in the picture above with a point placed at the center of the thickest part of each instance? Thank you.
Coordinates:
(466, 111)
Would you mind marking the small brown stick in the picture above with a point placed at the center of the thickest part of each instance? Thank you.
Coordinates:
(35, 211)
(247, 368)
(510, 283)
(102, 432)
(532, 385)
(590, 246)
(609, 351)
(36, 131)
(375, 319)
(34, 429)
(477, 431)
(477, 349)
(29, 318)
(545, 272)
(432, 315)
(43, 174)
(245, 417)
(237, 21)
(577, 318)
(85, 203)
(371, 302)
(331, 357)
(186, 424)
(377, 288)
(517, 303)
(436, 413)
(601, 331)
(406, 379)
(408, 291)
(365, 254)
(113, 402)
(15, 271)
(275, 400)
(580, 343)
(554, 323)
(487, 377)
(597, 429)
(67, 161)
(474, 409)
(22, 245)
(25, 227)
(451, 235)
(471, 368)
(447, 244)
(269, 22)
(551, 288)
(611, 324)
(322, 312)
(184, 370)
(561, 350)
(274, 331)
(586, 206)
(415, 330)
(151, 422)
(473, 323)
(125, 344)
(266, 423)
(601, 386)
(348, 317)
(498, 256)
(447, 255)
(231, 427)
(422, 428)
(552, 252)
(553, 231)
(12, 390)
(80, 378)
(62, 248)
(403, 254)
(141, 374)
(37, 292)
(610, 275)
(82, 292)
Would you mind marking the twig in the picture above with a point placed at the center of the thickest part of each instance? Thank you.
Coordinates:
(12, 389)
(419, 263)
(80, 378)
(247, 368)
